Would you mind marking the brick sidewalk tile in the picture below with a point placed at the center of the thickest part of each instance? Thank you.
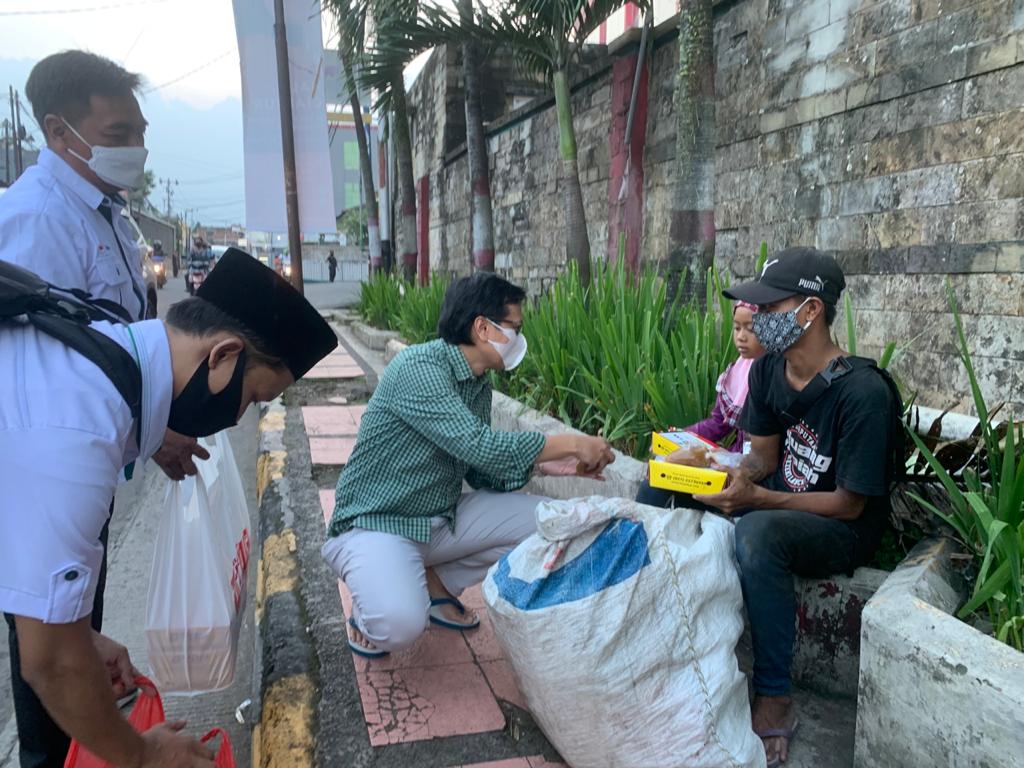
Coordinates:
(331, 450)
(322, 420)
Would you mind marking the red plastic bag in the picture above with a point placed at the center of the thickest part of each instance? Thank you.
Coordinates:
(147, 712)
(225, 756)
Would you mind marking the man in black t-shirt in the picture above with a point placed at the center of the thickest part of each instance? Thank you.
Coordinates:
(815, 484)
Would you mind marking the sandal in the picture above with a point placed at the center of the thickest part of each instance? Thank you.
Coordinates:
(778, 733)
(362, 650)
(438, 618)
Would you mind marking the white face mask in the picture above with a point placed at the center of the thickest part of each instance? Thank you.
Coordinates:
(122, 167)
(512, 351)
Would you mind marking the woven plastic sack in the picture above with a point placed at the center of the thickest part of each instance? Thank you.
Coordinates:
(620, 622)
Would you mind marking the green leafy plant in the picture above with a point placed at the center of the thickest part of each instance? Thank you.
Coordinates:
(378, 301)
(987, 508)
(419, 310)
(620, 359)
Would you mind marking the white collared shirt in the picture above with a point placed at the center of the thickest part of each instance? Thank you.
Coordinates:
(65, 434)
(50, 224)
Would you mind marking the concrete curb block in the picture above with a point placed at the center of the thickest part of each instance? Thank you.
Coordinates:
(283, 735)
(622, 478)
(373, 338)
(391, 350)
(931, 686)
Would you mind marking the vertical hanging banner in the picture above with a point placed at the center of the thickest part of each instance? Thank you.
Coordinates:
(261, 116)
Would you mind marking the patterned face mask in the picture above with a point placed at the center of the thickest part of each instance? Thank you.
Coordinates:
(778, 331)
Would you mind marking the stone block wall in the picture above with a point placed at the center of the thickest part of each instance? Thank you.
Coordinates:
(889, 132)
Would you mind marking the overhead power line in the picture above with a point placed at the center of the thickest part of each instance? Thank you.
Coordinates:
(190, 72)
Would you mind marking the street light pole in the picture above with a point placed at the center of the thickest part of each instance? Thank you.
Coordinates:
(291, 192)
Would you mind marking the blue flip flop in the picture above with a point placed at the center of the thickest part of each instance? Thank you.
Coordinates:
(438, 618)
(360, 650)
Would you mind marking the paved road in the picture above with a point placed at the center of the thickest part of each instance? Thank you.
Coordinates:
(332, 295)
(133, 530)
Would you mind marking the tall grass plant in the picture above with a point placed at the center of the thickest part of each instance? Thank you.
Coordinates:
(987, 509)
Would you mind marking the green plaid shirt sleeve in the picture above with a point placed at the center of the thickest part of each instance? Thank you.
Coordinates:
(433, 409)
(426, 429)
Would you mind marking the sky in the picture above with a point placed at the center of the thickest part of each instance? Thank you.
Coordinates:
(187, 52)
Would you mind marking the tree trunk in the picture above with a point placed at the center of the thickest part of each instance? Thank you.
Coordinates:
(406, 183)
(577, 241)
(692, 228)
(365, 170)
(476, 147)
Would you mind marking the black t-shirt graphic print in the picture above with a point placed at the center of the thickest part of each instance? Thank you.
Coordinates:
(843, 440)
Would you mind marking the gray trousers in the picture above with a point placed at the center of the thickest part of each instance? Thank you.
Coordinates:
(386, 573)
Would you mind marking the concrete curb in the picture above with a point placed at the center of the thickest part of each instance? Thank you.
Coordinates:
(931, 686)
(373, 338)
(284, 733)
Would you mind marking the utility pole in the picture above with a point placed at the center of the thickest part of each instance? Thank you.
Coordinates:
(291, 191)
(19, 133)
(7, 152)
(169, 193)
(14, 132)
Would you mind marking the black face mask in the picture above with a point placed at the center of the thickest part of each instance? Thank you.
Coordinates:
(197, 412)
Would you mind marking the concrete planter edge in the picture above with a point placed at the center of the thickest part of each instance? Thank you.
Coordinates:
(932, 688)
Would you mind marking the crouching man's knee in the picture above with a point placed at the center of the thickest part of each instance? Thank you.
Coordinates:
(395, 629)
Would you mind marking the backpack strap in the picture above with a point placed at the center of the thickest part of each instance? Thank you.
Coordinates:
(65, 315)
(808, 396)
(110, 357)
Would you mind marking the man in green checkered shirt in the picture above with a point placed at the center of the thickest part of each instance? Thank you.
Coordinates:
(404, 537)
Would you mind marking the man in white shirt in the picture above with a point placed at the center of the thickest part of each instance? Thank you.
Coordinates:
(62, 219)
(245, 337)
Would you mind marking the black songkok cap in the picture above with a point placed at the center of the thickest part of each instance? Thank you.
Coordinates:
(262, 300)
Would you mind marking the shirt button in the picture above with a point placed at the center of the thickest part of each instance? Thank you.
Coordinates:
(70, 575)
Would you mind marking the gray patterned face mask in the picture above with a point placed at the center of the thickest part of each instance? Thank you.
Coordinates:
(778, 331)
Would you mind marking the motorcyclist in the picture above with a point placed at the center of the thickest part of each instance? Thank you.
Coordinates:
(159, 258)
(198, 260)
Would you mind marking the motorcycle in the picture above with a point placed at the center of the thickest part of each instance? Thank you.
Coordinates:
(195, 277)
(160, 270)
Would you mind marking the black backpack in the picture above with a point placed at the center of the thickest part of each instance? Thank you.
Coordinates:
(65, 315)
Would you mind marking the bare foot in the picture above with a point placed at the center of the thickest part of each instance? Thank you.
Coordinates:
(436, 590)
(773, 713)
(360, 639)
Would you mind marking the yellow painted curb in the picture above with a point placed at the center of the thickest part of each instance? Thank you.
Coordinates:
(280, 571)
(286, 727)
(269, 467)
(256, 752)
(272, 421)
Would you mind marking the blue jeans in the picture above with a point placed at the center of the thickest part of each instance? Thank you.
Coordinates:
(773, 545)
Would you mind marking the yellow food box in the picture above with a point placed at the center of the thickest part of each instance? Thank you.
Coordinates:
(679, 477)
(664, 443)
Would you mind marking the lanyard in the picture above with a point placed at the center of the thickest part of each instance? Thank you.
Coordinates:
(106, 210)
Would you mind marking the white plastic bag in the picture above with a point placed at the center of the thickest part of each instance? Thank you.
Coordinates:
(621, 623)
(227, 501)
(198, 581)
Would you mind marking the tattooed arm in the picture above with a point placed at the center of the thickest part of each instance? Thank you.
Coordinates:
(762, 459)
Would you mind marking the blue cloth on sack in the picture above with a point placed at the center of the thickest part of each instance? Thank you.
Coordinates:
(618, 553)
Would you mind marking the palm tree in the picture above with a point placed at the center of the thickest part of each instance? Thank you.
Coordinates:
(351, 17)
(546, 37)
(382, 69)
(692, 230)
(476, 149)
